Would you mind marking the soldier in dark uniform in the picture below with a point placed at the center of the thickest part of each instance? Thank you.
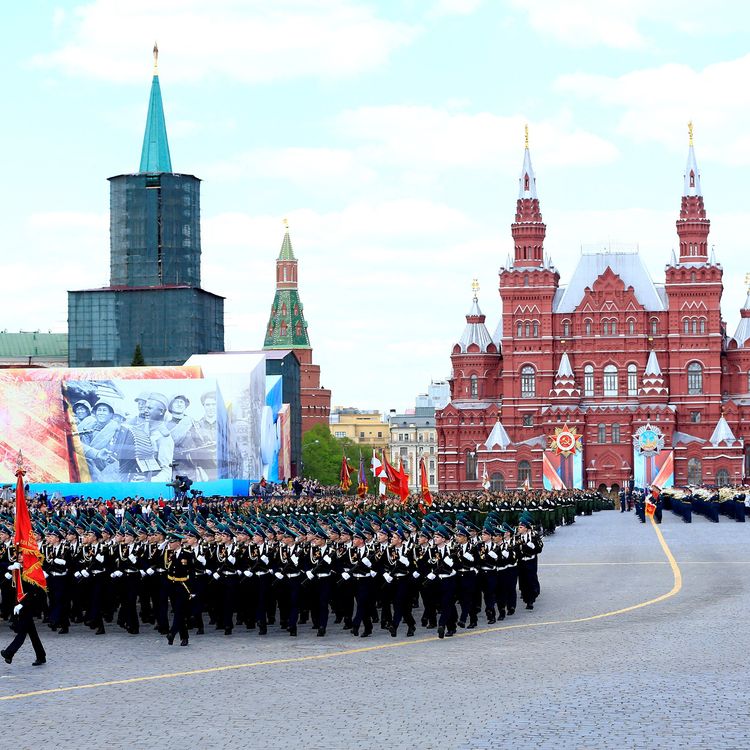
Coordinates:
(56, 562)
(529, 545)
(397, 573)
(444, 569)
(180, 567)
(289, 576)
(319, 573)
(25, 612)
(361, 569)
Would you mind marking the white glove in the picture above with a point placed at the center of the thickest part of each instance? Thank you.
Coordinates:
(387, 577)
(208, 572)
(133, 559)
(76, 574)
(492, 554)
(201, 559)
(431, 576)
(403, 560)
(264, 559)
(100, 558)
(247, 573)
(143, 573)
(415, 574)
(59, 560)
(372, 574)
(232, 559)
(366, 562)
(9, 576)
(278, 575)
(469, 556)
(17, 609)
(217, 576)
(327, 559)
(345, 576)
(295, 559)
(116, 574)
(449, 562)
(15, 566)
(309, 574)
(506, 553)
(530, 545)
(85, 573)
(150, 571)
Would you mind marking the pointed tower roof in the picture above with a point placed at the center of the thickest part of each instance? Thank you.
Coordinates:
(722, 433)
(565, 386)
(692, 175)
(652, 366)
(476, 331)
(527, 180)
(498, 438)
(742, 334)
(564, 369)
(155, 152)
(287, 327)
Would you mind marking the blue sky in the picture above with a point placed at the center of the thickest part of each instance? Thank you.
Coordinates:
(390, 135)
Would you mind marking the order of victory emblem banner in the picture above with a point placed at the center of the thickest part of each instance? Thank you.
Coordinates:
(653, 465)
(648, 440)
(562, 462)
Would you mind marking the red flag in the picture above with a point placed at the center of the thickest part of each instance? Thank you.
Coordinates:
(361, 478)
(397, 481)
(345, 480)
(28, 550)
(426, 496)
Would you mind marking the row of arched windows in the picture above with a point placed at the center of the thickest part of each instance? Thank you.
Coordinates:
(693, 325)
(601, 433)
(527, 329)
(610, 327)
(611, 380)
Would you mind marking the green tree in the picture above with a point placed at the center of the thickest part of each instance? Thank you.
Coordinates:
(138, 360)
(321, 457)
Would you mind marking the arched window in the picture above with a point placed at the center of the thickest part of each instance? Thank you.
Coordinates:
(722, 478)
(694, 325)
(615, 433)
(536, 329)
(525, 278)
(601, 433)
(692, 179)
(632, 380)
(605, 328)
(587, 327)
(610, 380)
(631, 326)
(566, 328)
(528, 381)
(527, 329)
(474, 380)
(695, 471)
(283, 309)
(613, 327)
(695, 378)
(685, 325)
(693, 277)
(524, 472)
(654, 326)
(702, 325)
(519, 329)
(471, 465)
(497, 482)
(588, 380)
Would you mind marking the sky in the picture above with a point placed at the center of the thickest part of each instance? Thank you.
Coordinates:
(390, 136)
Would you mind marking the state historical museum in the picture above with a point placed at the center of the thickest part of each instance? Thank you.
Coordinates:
(607, 378)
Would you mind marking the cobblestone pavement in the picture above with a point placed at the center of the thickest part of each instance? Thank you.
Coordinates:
(670, 675)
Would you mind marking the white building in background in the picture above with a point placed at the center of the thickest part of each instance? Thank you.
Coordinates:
(438, 395)
(413, 436)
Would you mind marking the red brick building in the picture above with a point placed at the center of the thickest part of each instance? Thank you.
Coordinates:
(606, 354)
(287, 329)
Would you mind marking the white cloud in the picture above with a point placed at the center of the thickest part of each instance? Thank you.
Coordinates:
(245, 41)
(455, 7)
(630, 25)
(656, 104)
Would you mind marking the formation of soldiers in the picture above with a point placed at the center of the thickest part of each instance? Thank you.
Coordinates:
(232, 564)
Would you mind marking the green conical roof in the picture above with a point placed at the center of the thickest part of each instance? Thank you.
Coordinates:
(155, 152)
(286, 252)
(287, 327)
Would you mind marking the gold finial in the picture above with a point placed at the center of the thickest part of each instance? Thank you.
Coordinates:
(19, 459)
(690, 132)
(526, 135)
(156, 59)
(286, 223)
(475, 287)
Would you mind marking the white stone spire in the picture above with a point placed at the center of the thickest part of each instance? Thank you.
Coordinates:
(498, 438)
(692, 175)
(527, 181)
(652, 366)
(722, 433)
(564, 370)
(742, 334)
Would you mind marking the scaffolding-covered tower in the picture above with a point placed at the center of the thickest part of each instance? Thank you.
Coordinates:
(154, 298)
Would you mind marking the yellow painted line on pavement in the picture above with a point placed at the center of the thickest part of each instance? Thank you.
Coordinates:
(368, 649)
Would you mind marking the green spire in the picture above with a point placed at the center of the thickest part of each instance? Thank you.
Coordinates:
(287, 327)
(286, 247)
(155, 151)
